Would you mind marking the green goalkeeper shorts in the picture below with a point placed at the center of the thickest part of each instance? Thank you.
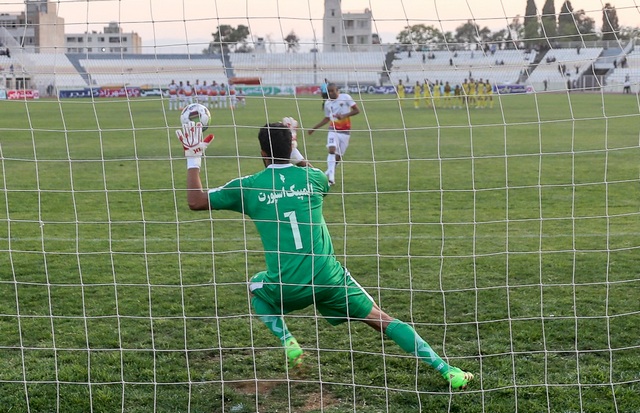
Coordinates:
(337, 303)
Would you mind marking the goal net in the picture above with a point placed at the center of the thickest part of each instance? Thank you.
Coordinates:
(489, 198)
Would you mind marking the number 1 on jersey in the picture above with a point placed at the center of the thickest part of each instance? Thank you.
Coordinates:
(297, 239)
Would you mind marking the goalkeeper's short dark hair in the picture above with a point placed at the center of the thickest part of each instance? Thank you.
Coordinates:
(275, 141)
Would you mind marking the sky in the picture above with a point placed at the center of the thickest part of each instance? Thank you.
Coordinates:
(171, 26)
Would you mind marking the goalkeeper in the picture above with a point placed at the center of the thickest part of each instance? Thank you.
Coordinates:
(285, 203)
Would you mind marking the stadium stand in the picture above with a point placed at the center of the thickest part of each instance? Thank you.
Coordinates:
(562, 65)
(556, 67)
(51, 69)
(274, 68)
(309, 68)
(502, 66)
(6, 63)
(350, 68)
(629, 71)
(151, 70)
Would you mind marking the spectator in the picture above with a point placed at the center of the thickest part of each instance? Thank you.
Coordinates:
(627, 84)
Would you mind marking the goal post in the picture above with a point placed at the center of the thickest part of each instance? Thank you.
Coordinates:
(488, 198)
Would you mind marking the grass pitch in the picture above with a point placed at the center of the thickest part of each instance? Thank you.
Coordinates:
(509, 237)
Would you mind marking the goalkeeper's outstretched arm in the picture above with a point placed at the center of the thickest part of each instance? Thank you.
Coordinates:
(197, 198)
(296, 157)
(194, 145)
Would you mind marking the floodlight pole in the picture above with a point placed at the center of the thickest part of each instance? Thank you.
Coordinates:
(315, 65)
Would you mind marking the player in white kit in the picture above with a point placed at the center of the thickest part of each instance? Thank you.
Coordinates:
(338, 110)
(173, 95)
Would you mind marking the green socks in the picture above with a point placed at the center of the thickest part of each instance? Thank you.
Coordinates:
(406, 337)
(403, 334)
(274, 323)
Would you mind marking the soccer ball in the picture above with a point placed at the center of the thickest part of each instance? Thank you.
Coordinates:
(196, 112)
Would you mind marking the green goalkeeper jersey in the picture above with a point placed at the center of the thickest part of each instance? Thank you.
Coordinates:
(285, 203)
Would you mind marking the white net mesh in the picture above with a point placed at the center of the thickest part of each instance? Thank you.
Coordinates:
(498, 217)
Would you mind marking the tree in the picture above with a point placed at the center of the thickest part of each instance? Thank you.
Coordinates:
(471, 33)
(229, 38)
(516, 31)
(549, 24)
(567, 27)
(448, 38)
(420, 35)
(575, 25)
(586, 26)
(627, 32)
(292, 42)
(531, 29)
(610, 24)
(500, 36)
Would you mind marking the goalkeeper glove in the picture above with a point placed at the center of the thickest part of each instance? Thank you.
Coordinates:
(193, 143)
(296, 156)
(292, 124)
(191, 138)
